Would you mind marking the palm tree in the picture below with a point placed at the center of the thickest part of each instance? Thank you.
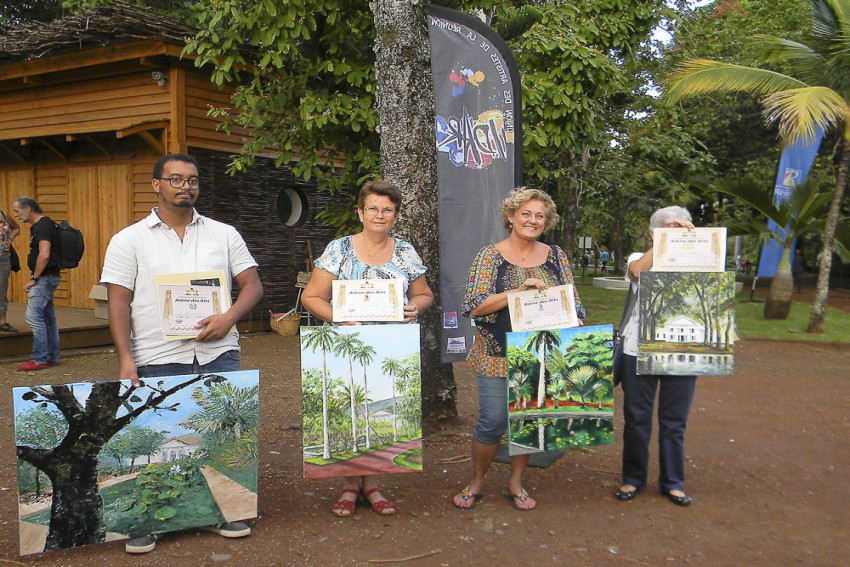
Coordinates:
(518, 381)
(542, 342)
(322, 338)
(348, 344)
(393, 368)
(226, 411)
(584, 381)
(802, 214)
(364, 357)
(816, 95)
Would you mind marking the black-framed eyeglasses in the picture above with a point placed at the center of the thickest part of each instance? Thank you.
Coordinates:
(179, 182)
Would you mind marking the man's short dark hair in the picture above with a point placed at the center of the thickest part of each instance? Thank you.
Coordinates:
(29, 203)
(159, 166)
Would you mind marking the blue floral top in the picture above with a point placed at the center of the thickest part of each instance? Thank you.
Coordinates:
(340, 260)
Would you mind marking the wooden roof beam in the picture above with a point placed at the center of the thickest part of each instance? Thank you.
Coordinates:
(144, 132)
(89, 139)
(14, 153)
(51, 147)
(90, 58)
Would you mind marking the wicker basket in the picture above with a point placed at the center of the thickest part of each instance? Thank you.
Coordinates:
(288, 326)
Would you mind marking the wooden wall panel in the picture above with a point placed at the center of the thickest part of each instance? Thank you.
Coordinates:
(14, 184)
(83, 210)
(87, 106)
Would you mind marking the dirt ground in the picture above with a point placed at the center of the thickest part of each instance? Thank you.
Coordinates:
(767, 467)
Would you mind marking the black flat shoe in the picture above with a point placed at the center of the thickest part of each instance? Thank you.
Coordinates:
(683, 500)
(626, 496)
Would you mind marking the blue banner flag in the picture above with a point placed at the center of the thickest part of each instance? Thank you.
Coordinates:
(479, 152)
(794, 167)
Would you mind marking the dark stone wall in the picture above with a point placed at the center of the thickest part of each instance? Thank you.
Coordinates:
(248, 202)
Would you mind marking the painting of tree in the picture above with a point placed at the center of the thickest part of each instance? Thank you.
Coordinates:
(687, 323)
(85, 432)
(368, 424)
(577, 365)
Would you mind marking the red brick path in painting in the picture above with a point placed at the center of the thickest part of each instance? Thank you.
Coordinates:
(377, 462)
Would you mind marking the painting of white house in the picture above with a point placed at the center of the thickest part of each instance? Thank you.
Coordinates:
(361, 400)
(686, 324)
(104, 461)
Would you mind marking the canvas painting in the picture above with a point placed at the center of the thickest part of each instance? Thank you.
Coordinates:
(105, 461)
(361, 400)
(560, 389)
(686, 324)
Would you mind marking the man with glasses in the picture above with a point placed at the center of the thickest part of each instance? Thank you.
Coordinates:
(173, 239)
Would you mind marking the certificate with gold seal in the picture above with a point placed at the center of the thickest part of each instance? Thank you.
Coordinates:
(367, 300)
(186, 299)
(689, 249)
(552, 308)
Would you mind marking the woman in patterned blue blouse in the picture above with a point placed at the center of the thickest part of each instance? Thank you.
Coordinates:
(369, 254)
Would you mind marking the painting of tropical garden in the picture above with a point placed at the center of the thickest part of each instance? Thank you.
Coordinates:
(361, 400)
(687, 323)
(560, 389)
(105, 461)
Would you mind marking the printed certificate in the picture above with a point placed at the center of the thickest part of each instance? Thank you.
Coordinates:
(367, 300)
(689, 250)
(551, 308)
(186, 299)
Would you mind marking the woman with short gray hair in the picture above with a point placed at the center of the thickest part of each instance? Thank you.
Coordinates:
(675, 394)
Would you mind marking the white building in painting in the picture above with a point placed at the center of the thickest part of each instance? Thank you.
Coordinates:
(176, 448)
(382, 415)
(681, 329)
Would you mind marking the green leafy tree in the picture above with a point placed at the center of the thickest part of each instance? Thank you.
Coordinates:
(322, 338)
(40, 428)
(813, 94)
(520, 365)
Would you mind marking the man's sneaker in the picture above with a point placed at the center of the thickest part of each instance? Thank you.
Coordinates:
(230, 529)
(142, 544)
(31, 365)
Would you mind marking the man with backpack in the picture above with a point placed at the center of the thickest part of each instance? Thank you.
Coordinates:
(44, 265)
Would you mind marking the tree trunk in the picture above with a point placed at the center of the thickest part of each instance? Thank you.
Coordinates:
(326, 440)
(778, 303)
(76, 511)
(405, 105)
(822, 288)
(541, 382)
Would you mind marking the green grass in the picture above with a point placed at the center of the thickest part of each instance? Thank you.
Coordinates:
(605, 306)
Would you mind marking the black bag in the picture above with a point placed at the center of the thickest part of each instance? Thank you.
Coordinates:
(14, 260)
(71, 246)
(619, 358)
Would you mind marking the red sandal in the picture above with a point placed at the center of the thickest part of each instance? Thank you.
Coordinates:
(345, 508)
(382, 507)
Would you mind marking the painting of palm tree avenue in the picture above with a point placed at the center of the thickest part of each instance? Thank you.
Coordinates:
(105, 461)
(686, 325)
(361, 400)
(560, 389)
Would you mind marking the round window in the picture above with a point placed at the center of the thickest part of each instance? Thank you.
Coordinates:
(292, 207)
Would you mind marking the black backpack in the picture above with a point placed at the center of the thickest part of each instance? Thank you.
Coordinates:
(71, 246)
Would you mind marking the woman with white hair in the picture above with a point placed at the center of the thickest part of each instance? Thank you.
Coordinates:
(675, 394)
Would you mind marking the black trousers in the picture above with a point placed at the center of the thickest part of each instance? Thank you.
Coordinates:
(675, 394)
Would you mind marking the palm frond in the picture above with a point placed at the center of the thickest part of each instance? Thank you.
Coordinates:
(702, 76)
(806, 64)
(800, 112)
(829, 17)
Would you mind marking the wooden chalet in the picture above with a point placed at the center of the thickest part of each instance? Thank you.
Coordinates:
(89, 102)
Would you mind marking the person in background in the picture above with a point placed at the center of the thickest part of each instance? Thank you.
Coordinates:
(675, 394)
(9, 229)
(175, 239)
(41, 287)
(371, 253)
(518, 263)
(604, 258)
